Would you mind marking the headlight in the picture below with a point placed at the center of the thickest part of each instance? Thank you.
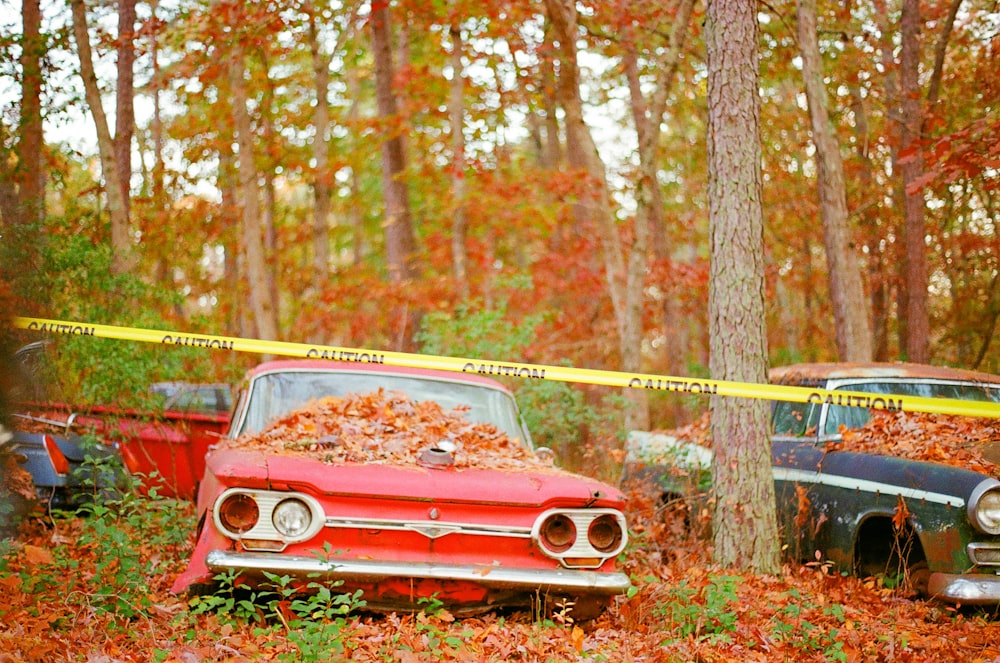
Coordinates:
(984, 507)
(292, 518)
(582, 538)
(605, 533)
(267, 519)
(238, 513)
(557, 533)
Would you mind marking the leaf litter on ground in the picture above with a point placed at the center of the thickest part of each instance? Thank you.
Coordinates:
(684, 608)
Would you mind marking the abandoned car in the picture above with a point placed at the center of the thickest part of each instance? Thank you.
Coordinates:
(905, 497)
(406, 484)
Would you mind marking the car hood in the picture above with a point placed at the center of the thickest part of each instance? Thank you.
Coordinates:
(481, 485)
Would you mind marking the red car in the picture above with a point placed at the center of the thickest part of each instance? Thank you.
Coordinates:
(407, 484)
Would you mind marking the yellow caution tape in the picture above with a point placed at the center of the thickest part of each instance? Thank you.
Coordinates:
(896, 403)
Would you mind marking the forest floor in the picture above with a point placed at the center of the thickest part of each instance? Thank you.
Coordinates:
(96, 589)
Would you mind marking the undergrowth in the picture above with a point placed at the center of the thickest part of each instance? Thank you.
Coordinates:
(94, 585)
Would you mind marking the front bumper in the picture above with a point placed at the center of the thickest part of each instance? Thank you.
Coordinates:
(566, 582)
(966, 589)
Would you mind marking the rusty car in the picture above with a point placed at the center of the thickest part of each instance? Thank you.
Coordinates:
(930, 525)
(406, 484)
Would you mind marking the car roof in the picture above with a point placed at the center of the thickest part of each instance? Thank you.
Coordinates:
(366, 367)
(817, 373)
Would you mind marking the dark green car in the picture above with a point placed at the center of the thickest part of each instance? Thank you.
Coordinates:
(933, 526)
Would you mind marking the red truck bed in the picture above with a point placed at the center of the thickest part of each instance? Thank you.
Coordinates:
(165, 450)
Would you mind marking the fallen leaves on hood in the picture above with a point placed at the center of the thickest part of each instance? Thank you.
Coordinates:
(972, 443)
(386, 427)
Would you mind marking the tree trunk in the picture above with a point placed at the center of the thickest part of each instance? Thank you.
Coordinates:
(355, 214)
(582, 156)
(911, 168)
(125, 97)
(649, 200)
(323, 178)
(893, 253)
(121, 242)
(850, 313)
(235, 313)
(399, 240)
(264, 310)
(874, 239)
(400, 244)
(746, 532)
(459, 255)
(30, 171)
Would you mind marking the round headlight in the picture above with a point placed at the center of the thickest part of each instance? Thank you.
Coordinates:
(984, 507)
(558, 533)
(605, 533)
(239, 513)
(292, 518)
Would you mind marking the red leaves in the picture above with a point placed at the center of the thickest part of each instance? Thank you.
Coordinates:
(387, 427)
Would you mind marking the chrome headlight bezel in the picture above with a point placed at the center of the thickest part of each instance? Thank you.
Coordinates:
(580, 552)
(984, 507)
(269, 504)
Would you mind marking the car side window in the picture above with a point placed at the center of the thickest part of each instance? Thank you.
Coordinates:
(792, 418)
(849, 417)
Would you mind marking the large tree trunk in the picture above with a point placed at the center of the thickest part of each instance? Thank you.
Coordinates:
(915, 279)
(746, 531)
(399, 240)
(624, 281)
(121, 242)
(264, 309)
(850, 313)
(125, 97)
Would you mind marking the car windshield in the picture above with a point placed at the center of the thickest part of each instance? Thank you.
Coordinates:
(274, 394)
(856, 417)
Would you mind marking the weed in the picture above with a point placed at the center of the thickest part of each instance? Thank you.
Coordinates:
(309, 617)
(704, 614)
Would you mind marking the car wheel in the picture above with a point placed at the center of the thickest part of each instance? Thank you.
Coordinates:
(917, 577)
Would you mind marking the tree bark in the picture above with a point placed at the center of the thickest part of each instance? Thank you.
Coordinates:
(911, 168)
(121, 242)
(400, 244)
(322, 182)
(649, 201)
(873, 234)
(264, 310)
(745, 523)
(125, 97)
(399, 240)
(852, 324)
(581, 152)
(456, 116)
(355, 214)
(30, 172)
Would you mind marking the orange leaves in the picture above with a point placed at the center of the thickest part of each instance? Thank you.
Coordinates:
(968, 442)
(387, 427)
(900, 515)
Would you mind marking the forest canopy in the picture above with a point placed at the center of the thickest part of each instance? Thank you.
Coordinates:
(422, 176)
